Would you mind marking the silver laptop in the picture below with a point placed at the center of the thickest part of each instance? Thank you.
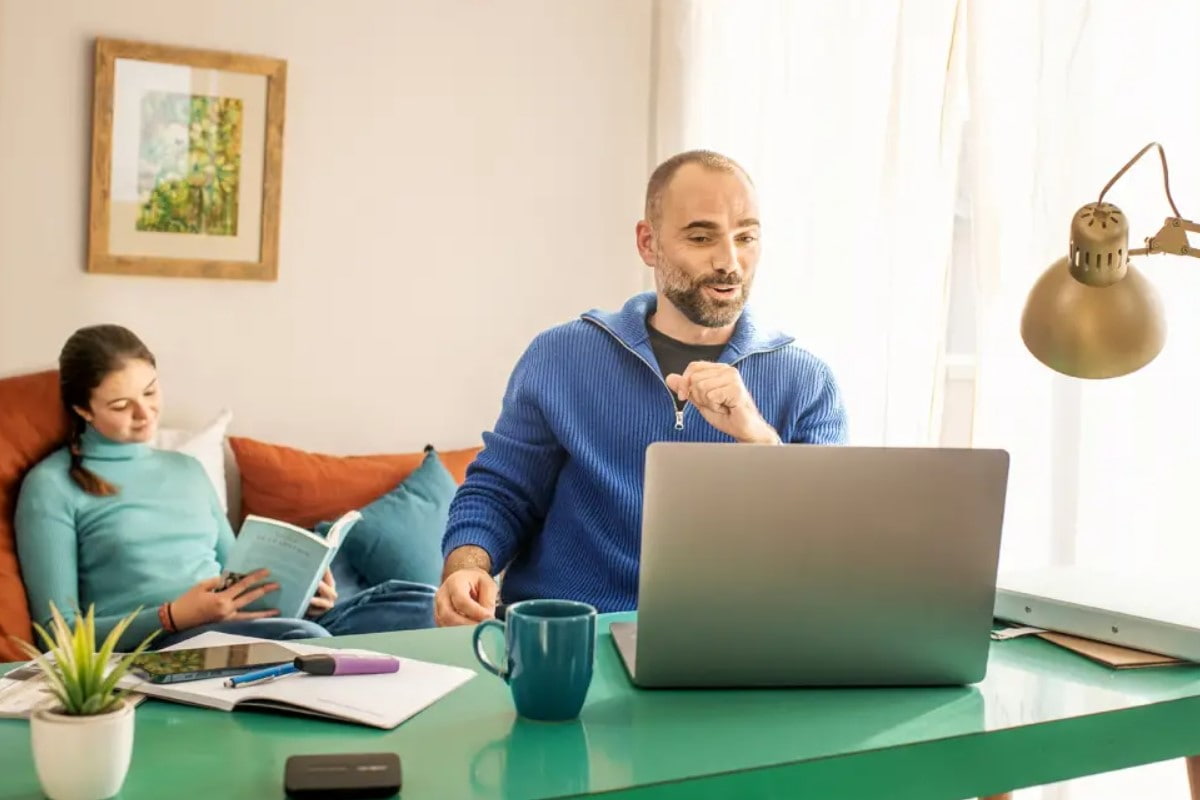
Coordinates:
(807, 565)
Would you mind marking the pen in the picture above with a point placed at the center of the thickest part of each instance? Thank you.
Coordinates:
(321, 664)
(260, 675)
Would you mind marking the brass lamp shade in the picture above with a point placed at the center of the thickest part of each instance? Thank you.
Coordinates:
(1093, 331)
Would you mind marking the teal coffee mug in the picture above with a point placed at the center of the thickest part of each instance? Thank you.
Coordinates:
(549, 651)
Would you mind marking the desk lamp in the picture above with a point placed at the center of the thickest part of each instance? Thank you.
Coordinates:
(1092, 314)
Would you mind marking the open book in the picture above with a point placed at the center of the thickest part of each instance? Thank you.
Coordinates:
(379, 701)
(295, 557)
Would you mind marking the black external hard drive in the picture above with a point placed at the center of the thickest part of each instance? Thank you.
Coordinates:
(324, 777)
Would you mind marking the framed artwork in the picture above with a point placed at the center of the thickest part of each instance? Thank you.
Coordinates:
(187, 154)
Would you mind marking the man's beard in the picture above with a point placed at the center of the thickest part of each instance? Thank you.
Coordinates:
(688, 295)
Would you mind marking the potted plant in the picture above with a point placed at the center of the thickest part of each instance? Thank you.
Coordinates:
(83, 740)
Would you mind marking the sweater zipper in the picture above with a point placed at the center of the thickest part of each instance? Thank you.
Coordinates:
(678, 411)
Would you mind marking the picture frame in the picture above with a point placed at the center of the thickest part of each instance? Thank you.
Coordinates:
(186, 162)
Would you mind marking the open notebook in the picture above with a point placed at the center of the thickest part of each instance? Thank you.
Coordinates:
(379, 701)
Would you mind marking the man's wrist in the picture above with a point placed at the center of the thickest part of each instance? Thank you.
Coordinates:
(764, 434)
(467, 557)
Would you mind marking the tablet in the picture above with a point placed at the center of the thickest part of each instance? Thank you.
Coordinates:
(176, 666)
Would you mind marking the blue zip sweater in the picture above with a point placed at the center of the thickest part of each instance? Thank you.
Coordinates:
(557, 489)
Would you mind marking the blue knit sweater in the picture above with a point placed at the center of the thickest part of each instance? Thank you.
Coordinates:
(557, 489)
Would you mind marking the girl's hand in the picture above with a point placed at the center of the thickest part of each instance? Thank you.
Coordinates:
(204, 603)
(325, 597)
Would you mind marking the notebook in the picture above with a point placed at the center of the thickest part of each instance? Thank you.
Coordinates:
(379, 701)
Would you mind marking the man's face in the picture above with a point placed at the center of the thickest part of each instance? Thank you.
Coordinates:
(706, 245)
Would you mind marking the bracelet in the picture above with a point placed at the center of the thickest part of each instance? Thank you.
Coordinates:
(171, 616)
(165, 619)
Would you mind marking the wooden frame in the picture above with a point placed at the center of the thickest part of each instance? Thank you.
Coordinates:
(219, 216)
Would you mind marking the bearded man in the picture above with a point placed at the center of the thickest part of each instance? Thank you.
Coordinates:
(555, 497)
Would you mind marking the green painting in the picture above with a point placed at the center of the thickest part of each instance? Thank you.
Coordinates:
(189, 163)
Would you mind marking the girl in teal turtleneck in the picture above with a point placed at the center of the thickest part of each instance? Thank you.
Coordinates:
(109, 520)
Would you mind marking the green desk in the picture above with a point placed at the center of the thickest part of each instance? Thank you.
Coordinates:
(1042, 715)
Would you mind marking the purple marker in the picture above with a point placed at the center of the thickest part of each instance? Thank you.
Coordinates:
(338, 664)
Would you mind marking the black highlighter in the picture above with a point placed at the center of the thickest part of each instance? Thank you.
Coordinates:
(342, 775)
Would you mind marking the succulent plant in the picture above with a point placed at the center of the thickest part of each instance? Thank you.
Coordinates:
(81, 676)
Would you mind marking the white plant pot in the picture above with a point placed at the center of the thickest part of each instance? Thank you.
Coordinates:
(82, 758)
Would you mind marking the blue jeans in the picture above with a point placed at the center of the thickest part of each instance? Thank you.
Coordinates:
(390, 606)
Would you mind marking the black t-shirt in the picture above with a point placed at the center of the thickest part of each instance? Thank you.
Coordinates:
(674, 356)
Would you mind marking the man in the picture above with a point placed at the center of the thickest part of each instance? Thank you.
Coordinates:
(556, 494)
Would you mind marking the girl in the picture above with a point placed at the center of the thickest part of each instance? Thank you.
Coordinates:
(112, 521)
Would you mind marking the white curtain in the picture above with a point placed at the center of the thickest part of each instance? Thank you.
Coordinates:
(848, 117)
(1063, 93)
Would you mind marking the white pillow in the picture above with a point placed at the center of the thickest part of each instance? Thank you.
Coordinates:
(206, 445)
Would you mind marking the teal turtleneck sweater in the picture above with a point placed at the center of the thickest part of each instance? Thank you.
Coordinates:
(162, 532)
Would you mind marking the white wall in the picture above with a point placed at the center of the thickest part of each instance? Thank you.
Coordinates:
(458, 175)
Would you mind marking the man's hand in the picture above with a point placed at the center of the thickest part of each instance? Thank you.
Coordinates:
(325, 597)
(465, 597)
(721, 397)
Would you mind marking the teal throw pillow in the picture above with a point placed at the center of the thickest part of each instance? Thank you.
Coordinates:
(400, 534)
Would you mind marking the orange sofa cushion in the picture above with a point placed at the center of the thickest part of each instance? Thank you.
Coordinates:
(32, 425)
(305, 488)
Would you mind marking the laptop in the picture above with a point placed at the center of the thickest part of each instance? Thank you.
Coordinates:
(811, 565)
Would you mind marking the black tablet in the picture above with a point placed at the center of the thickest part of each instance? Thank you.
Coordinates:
(176, 666)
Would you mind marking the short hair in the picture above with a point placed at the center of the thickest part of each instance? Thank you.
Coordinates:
(666, 170)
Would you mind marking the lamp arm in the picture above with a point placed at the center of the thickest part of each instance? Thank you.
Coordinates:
(1171, 239)
(1166, 177)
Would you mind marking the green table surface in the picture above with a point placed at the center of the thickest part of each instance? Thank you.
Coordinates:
(1041, 715)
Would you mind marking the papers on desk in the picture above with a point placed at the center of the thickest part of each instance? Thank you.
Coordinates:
(1110, 655)
(379, 701)
(25, 688)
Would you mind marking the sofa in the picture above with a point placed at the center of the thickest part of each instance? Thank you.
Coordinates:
(403, 495)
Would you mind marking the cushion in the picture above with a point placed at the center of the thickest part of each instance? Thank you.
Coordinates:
(400, 534)
(206, 445)
(306, 488)
(32, 425)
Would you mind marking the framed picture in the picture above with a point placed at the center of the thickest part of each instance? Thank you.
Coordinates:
(187, 153)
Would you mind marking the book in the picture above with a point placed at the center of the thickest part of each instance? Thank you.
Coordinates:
(379, 701)
(295, 557)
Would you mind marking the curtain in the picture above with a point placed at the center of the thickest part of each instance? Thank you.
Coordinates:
(1063, 93)
(853, 119)
(848, 117)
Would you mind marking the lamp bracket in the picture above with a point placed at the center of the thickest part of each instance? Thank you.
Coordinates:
(1171, 239)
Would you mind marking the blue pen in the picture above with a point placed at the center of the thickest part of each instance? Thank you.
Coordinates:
(260, 675)
(321, 664)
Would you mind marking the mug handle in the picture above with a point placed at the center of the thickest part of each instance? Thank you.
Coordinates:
(487, 663)
(484, 753)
